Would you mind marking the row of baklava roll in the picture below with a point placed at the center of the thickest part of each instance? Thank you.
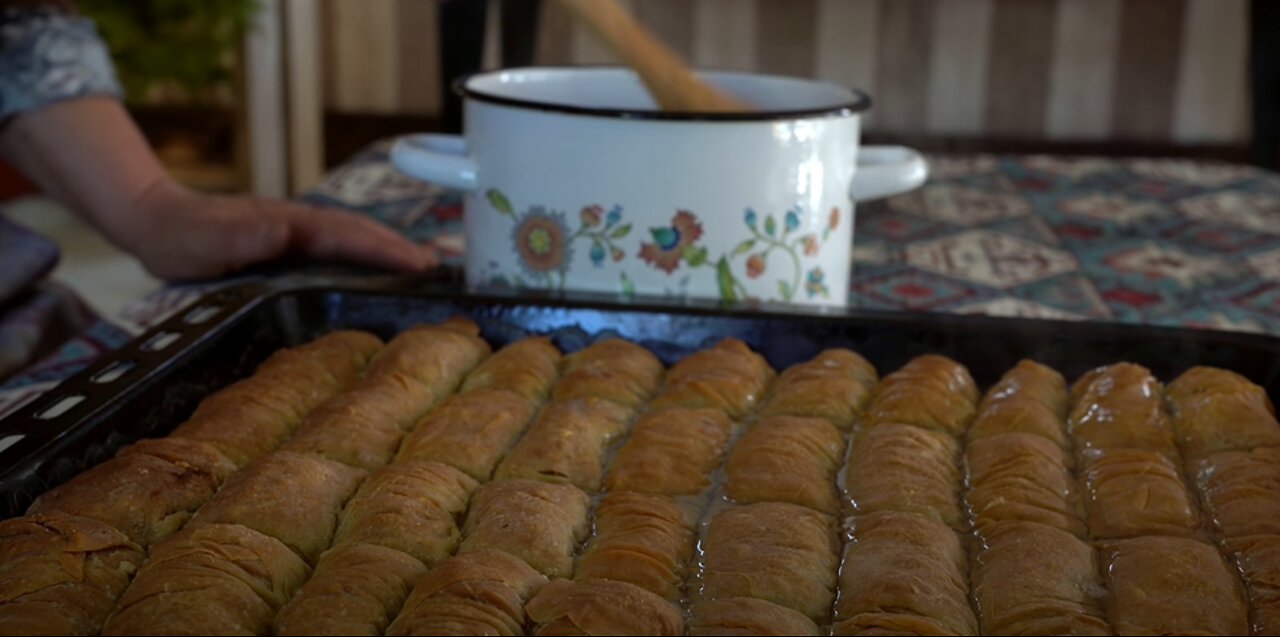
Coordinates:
(1226, 429)
(524, 528)
(1161, 572)
(770, 551)
(64, 566)
(249, 549)
(1034, 570)
(630, 576)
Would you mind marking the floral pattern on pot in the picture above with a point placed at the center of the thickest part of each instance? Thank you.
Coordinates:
(544, 245)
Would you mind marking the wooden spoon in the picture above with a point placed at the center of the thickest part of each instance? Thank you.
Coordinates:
(668, 79)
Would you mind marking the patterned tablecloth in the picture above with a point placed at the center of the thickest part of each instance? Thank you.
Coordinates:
(1140, 240)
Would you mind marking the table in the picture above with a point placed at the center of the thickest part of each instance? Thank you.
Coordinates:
(1154, 241)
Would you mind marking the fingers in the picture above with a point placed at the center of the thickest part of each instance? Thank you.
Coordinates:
(323, 233)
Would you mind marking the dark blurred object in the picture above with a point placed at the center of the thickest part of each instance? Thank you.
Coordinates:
(1264, 78)
(462, 44)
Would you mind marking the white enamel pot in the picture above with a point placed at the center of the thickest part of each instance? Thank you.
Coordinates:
(574, 180)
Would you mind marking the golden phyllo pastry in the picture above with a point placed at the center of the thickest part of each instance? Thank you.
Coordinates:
(727, 376)
(834, 385)
(746, 616)
(437, 356)
(1258, 558)
(602, 607)
(148, 491)
(904, 468)
(480, 593)
(1020, 476)
(671, 452)
(1132, 492)
(356, 590)
(1120, 407)
(61, 574)
(903, 573)
(291, 497)
(786, 459)
(212, 579)
(539, 522)
(1241, 491)
(470, 431)
(643, 539)
(408, 506)
(612, 369)
(527, 367)
(778, 552)
(566, 443)
(933, 392)
(1171, 586)
(1215, 410)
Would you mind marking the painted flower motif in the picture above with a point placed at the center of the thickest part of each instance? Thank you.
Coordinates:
(541, 241)
(591, 216)
(750, 218)
(792, 221)
(614, 216)
(597, 254)
(815, 283)
(616, 254)
(833, 219)
(755, 265)
(669, 242)
(811, 245)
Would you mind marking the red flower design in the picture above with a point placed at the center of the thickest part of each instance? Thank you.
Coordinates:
(755, 266)
(810, 245)
(591, 216)
(834, 219)
(617, 254)
(669, 242)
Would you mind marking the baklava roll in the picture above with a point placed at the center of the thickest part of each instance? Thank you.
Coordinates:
(408, 506)
(1032, 579)
(602, 607)
(930, 391)
(904, 468)
(646, 540)
(1029, 380)
(1241, 491)
(211, 579)
(355, 590)
(361, 427)
(903, 573)
(469, 431)
(786, 459)
(1216, 410)
(727, 376)
(1020, 477)
(1019, 415)
(253, 416)
(566, 443)
(539, 522)
(613, 369)
(148, 491)
(480, 593)
(1120, 406)
(290, 497)
(1131, 492)
(671, 452)
(61, 574)
(781, 553)
(437, 356)
(528, 367)
(1149, 581)
(834, 385)
(747, 616)
(1258, 558)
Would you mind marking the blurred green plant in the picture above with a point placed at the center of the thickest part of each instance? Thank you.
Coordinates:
(173, 51)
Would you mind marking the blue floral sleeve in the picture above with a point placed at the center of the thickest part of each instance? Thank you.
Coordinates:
(47, 56)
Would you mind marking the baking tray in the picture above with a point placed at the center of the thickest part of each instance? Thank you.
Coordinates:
(153, 383)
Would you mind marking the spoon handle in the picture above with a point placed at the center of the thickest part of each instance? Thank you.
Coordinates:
(669, 80)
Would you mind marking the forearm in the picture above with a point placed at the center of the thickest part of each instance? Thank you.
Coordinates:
(88, 154)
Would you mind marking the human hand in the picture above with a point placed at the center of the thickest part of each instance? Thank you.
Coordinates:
(190, 235)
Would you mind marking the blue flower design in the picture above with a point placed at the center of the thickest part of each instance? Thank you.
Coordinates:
(750, 218)
(614, 216)
(792, 220)
(815, 283)
(597, 254)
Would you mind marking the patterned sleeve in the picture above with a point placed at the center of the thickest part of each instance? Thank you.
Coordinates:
(47, 56)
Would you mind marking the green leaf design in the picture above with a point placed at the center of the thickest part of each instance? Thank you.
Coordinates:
(628, 287)
(744, 247)
(621, 231)
(500, 202)
(770, 226)
(695, 256)
(784, 290)
(725, 281)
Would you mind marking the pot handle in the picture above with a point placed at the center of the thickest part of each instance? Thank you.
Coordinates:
(887, 170)
(437, 159)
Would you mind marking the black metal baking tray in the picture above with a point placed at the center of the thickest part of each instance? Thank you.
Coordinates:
(153, 383)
